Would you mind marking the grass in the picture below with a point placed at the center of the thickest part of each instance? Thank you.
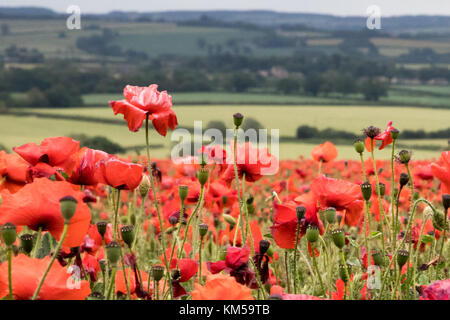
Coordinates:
(17, 130)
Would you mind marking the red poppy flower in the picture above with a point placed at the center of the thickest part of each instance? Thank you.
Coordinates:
(221, 287)
(119, 174)
(325, 152)
(341, 195)
(438, 290)
(252, 162)
(26, 274)
(36, 205)
(13, 172)
(85, 165)
(284, 229)
(385, 137)
(441, 170)
(141, 102)
(56, 152)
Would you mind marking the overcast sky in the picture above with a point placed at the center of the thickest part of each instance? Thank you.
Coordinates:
(336, 7)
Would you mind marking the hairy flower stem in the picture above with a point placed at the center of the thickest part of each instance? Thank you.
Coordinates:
(193, 214)
(58, 247)
(38, 243)
(441, 250)
(161, 224)
(394, 221)
(362, 166)
(367, 218)
(380, 205)
(344, 262)
(295, 257)
(394, 256)
(200, 262)
(286, 269)
(10, 273)
(408, 279)
(236, 176)
(111, 282)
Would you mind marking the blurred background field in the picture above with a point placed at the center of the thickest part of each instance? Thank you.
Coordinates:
(313, 77)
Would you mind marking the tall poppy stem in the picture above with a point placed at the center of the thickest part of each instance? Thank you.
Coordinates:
(111, 283)
(236, 176)
(58, 247)
(38, 243)
(441, 250)
(10, 273)
(394, 222)
(380, 205)
(286, 256)
(295, 257)
(161, 224)
(408, 278)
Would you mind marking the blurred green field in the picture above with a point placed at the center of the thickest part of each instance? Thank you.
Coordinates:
(156, 39)
(17, 130)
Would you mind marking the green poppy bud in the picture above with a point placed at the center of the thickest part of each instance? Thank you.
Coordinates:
(378, 258)
(382, 188)
(404, 179)
(301, 211)
(366, 189)
(157, 272)
(203, 229)
(113, 252)
(144, 186)
(330, 215)
(68, 207)
(394, 133)
(402, 257)
(101, 228)
(237, 119)
(312, 234)
(127, 233)
(338, 236)
(202, 176)
(9, 233)
(183, 192)
(359, 146)
(26, 243)
(404, 156)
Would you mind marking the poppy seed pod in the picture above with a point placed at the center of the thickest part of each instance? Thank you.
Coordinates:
(371, 132)
(366, 189)
(9, 233)
(101, 228)
(68, 207)
(402, 257)
(183, 192)
(203, 229)
(202, 176)
(330, 215)
(301, 211)
(338, 236)
(127, 233)
(173, 220)
(238, 118)
(378, 258)
(404, 156)
(359, 146)
(381, 187)
(439, 222)
(446, 201)
(95, 296)
(263, 246)
(404, 179)
(343, 271)
(113, 252)
(394, 133)
(26, 242)
(229, 219)
(157, 272)
(312, 234)
(144, 186)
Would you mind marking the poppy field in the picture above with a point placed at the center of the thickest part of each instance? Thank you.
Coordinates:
(231, 221)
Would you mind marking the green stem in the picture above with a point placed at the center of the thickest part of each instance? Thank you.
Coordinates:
(38, 243)
(111, 283)
(295, 257)
(394, 233)
(317, 271)
(236, 176)
(161, 224)
(10, 273)
(58, 247)
(441, 250)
